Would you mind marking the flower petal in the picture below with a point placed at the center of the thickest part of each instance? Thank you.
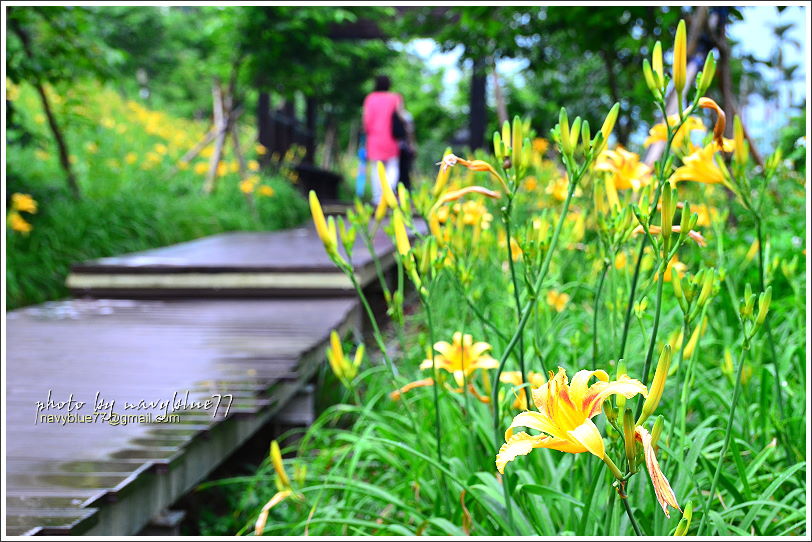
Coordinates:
(537, 421)
(662, 489)
(395, 395)
(589, 437)
(598, 392)
(518, 444)
(579, 385)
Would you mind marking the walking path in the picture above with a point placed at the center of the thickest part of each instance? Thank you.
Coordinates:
(240, 320)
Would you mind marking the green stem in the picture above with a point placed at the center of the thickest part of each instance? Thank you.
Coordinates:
(517, 299)
(438, 432)
(595, 316)
(630, 303)
(653, 339)
(728, 432)
(625, 500)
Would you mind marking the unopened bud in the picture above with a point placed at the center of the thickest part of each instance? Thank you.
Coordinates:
(685, 522)
(585, 134)
(517, 140)
(564, 131)
(628, 437)
(708, 72)
(764, 305)
(657, 386)
(497, 146)
(575, 133)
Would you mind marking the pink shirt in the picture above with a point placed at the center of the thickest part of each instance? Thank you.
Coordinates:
(378, 109)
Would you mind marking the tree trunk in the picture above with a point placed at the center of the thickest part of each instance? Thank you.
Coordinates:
(264, 125)
(501, 106)
(61, 144)
(623, 120)
(310, 127)
(220, 126)
(478, 111)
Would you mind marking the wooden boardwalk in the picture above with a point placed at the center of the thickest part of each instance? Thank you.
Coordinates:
(102, 469)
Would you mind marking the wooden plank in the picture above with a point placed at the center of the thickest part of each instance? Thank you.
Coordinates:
(289, 263)
(152, 351)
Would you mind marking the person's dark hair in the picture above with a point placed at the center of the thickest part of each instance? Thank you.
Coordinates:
(382, 83)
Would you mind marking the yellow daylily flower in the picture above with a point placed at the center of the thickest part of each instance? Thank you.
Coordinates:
(658, 132)
(564, 416)
(557, 300)
(18, 223)
(626, 169)
(558, 188)
(700, 166)
(24, 203)
(461, 357)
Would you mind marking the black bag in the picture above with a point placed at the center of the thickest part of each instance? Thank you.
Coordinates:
(398, 126)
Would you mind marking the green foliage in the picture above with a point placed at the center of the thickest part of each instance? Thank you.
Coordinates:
(125, 155)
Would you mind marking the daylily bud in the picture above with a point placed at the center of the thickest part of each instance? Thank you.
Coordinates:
(657, 64)
(401, 237)
(680, 59)
(597, 142)
(442, 176)
(497, 146)
(564, 131)
(629, 440)
(404, 199)
(609, 411)
(679, 293)
(276, 459)
(740, 151)
(517, 140)
(609, 122)
(386, 189)
(347, 236)
(667, 211)
(707, 287)
(657, 385)
(575, 133)
(685, 522)
(708, 72)
(585, 134)
(764, 305)
(685, 218)
(649, 77)
(506, 132)
(326, 232)
(657, 430)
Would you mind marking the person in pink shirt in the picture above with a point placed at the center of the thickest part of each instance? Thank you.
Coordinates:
(379, 106)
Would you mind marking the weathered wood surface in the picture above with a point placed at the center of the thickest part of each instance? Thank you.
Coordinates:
(248, 264)
(96, 477)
